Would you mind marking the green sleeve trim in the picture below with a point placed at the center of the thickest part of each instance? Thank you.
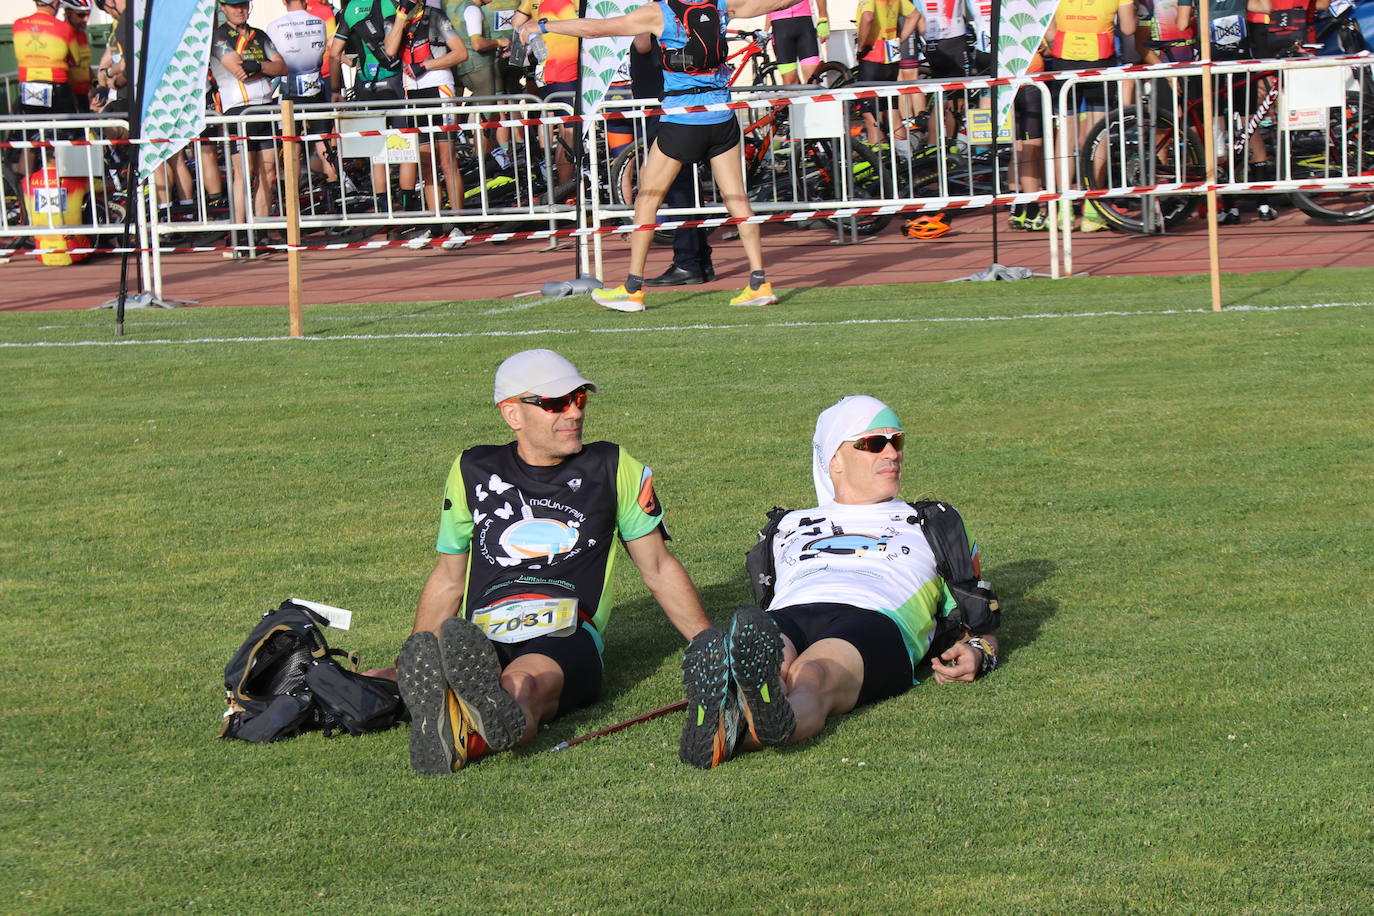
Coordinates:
(455, 518)
(637, 508)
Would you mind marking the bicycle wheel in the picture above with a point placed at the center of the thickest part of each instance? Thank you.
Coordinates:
(1346, 147)
(831, 75)
(817, 180)
(1117, 153)
(766, 74)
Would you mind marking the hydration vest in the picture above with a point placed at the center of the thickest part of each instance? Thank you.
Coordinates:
(703, 48)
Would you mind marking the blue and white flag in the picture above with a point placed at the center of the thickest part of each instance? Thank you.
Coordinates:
(178, 57)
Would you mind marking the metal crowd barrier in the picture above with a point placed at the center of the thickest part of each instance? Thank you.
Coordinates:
(1303, 126)
(1141, 158)
(354, 185)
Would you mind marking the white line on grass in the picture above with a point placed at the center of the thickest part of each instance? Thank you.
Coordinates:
(449, 335)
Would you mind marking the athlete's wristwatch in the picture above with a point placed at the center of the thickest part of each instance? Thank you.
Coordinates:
(543, 26)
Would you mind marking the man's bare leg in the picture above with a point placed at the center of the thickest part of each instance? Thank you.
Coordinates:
(821, 682)
(655, 177)
(536, 682)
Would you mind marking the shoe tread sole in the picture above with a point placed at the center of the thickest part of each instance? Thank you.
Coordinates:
(419, 674)
(756, 664)
(474, 672)
(705, 678)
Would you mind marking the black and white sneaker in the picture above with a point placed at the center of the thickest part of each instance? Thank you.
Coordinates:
(474, 672)
(756, 651)
(711, 732)
(434, 746)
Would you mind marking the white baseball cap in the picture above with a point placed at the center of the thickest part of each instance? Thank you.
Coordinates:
(541, 372)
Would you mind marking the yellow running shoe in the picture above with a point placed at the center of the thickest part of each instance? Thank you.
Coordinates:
(761, 296)
(1092, 220)
(620, 299)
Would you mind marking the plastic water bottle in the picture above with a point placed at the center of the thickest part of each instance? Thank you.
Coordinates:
(538, 48)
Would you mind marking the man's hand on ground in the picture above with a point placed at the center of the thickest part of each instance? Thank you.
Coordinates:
(957, 663)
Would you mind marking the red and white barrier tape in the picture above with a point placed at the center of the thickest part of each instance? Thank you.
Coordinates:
(929, 206)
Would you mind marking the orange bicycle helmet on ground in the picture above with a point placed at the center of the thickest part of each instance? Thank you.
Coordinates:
(926, 227)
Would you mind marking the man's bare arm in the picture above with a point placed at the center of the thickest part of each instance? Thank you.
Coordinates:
(443, 592)
(667, 579)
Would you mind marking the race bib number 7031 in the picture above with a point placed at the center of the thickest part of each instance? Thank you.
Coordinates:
(521, 619)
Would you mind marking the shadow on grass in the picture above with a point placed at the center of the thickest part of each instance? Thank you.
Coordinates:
(364, 323)
(1023, 616)
(638, 640)
(1288, 280)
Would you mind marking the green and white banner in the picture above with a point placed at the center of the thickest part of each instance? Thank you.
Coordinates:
(603, 58)
(1022, 27)
(178, 57)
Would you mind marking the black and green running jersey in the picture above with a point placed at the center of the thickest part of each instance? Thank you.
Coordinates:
(546, 532)
(363, 25)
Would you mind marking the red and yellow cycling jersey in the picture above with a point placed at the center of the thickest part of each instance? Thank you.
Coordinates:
(323, 11)
(81, 65)
(44, 47)
(561, 64)
(1085, 29)
(888, 14)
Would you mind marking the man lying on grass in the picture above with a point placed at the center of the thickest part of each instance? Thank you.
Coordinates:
(508, 632)
(856, 603)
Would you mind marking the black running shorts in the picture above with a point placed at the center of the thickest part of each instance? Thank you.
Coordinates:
(693, 143)
(794, 39)
(576, 654)
(1091, 96)
(260, 133)
(948, 58)
(1029, 107)
(887, 667)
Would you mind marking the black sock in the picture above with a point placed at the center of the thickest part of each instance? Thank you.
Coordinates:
(756, 279)
(634, 283)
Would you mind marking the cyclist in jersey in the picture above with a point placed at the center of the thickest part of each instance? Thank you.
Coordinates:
(1232, 36)
(1159, 36)
(301, 37)
(429, 51)
(372, 31)
(693, 75)
(856, 602)
(1083, 36)
(77, 14)
(1286, 27)
(47, 52)
(557, 73)
(243, 61)
(797, 39)
(883, 26)
(509, 632)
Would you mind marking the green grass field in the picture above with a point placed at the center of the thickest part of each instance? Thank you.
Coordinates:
(1174, 505)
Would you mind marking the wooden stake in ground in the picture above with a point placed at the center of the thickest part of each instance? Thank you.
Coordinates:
(1209, 148)
(291, 163)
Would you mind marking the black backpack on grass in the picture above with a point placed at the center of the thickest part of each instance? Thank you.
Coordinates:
(285, 679)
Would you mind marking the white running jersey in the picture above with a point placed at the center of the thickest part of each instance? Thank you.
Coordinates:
(944, 19)
(870, 556)
(300, 40)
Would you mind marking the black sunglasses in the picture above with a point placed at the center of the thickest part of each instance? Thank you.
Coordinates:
(878, 441)
(559, 404)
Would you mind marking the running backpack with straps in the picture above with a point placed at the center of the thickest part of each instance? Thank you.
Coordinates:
(977, 611)
(703, 49)
(285, 679)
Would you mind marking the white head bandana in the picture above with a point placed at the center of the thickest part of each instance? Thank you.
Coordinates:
(850, 416)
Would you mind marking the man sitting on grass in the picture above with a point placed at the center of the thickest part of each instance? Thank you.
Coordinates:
(856, 603)
(508, 633)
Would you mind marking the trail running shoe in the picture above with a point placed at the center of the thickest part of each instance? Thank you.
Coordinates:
(619, 299)
(474, 672)
(756, 665)
(711, 731)
(435, 743)
(457, 238)
(761, 296)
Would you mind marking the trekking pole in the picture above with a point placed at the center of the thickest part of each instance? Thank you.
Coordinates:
(663, 711)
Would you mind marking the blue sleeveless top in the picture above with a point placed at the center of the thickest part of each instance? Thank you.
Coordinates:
(675, 38)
